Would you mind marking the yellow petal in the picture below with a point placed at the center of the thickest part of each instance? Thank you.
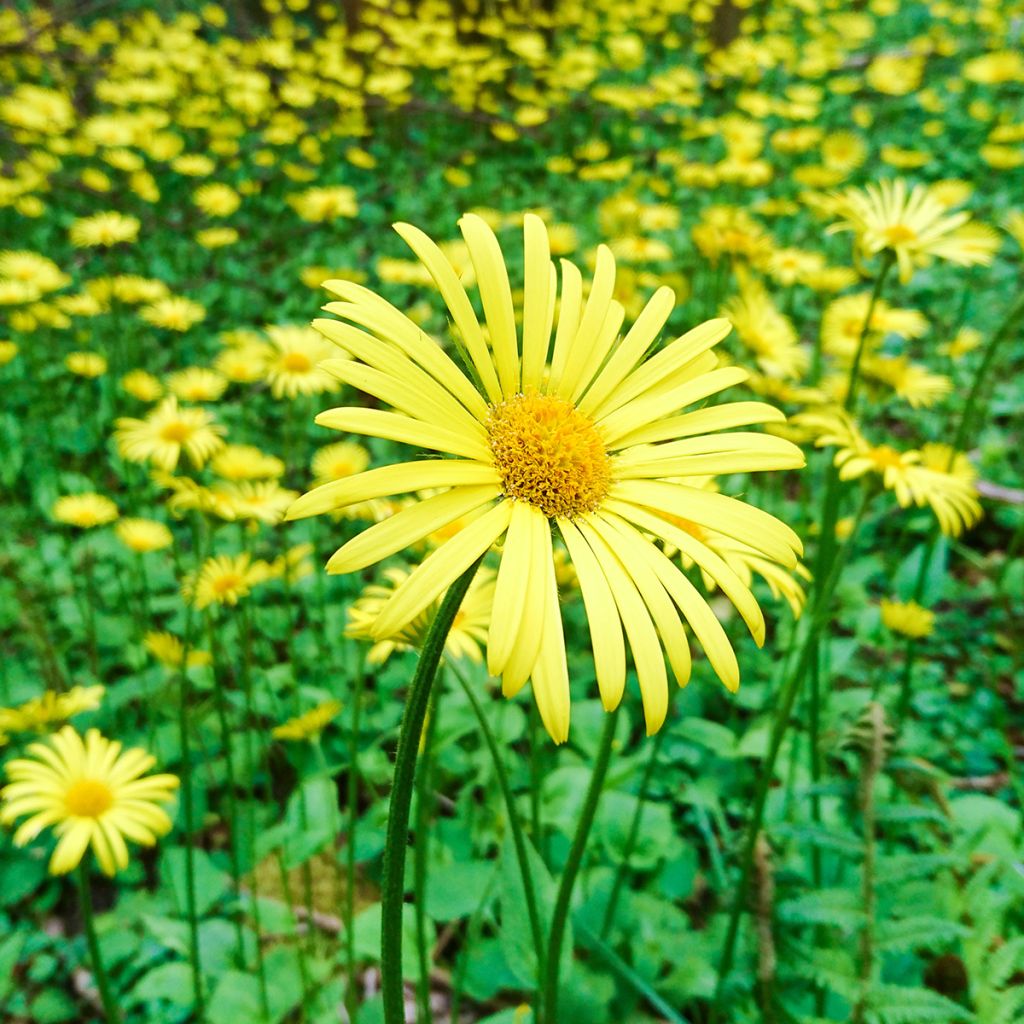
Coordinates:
(440, 569)
(395, 427)
(409, 526)
(459, 306)
(602, 617)
(496, 296)
(400, 478)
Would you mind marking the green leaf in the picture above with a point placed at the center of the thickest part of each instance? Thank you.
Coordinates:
(210, 882)
(52, 1006)
(456, 890)
(171, 982)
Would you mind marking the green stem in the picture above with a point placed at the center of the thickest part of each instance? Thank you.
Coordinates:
(397, 840)
(780, 725)
(88, 565)
(187, 796)
(351, 989)
(514, 821)
(234, 861)
(110, 1010)
(631, 837)
(850, 402)
(987, 361)
(963, 430)
(420, 854)
(252, 723)
(560, 914)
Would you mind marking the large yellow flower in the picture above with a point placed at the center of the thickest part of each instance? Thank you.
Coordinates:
(913, 226)
(585, 436)
(92, 794)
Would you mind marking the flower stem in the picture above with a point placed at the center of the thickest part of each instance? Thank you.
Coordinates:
(187, 795)
(514, 821)
(787, 698)
(631, 838)
(560, 914)
(351, 988)
(963, 431)
(110, 1009)
(421, 851)
(397, 839)
(1012, 320)
(850, 402)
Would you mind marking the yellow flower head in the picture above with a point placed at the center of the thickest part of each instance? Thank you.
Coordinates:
(580, 434)
(197, 384)
(217, 199)
(142, 385)
(175, 313)
(91, 794)
(337, 461)
(245, 462)
(907, 618)
(262, 500)
(143, 535)
(168, 431)
(84, 510)
(309, 724)
(766, 332)
(293, 367)
(86, 364)
(33, 269)
(913, 226)
(223, 579)
(170, 651)
(103, 230)
(48, 708)
(465, 639)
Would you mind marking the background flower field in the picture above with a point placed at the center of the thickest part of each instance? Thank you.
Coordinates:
(840, 839)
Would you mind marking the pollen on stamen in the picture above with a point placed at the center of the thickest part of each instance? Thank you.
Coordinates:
(549, 454)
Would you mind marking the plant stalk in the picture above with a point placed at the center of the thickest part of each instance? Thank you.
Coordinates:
(397, 839)
(560, 914)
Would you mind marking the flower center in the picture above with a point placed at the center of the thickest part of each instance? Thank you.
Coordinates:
(177, 431)
(88, 798)
(885, 457)
(549, 454)
(225, 584)
(296, 362)
(896, 233)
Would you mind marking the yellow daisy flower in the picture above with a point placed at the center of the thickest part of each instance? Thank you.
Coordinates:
(337, 461)
(50, 707)
(141, 385)
(913, 226)
(197, 384)
(584, 436)
(84, 510)
(245, 462)
(86, 364)
(293, 364)
(907, 618)
(309, 724)
(92, 794)
(103, 230)
(466, 638)
(168, 431)
(170, 651)
(175, 313)
(143, 535)
(223, 579)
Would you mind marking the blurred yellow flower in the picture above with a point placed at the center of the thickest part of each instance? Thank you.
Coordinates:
(84, 510)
